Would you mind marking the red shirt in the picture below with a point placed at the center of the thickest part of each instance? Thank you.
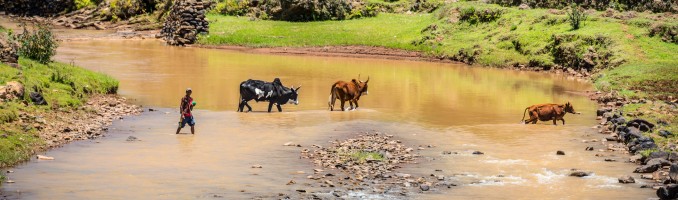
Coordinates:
(186, 104)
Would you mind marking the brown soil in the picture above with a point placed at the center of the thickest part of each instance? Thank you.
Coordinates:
(335, 51)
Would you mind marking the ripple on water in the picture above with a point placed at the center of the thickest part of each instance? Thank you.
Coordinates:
(548, 176)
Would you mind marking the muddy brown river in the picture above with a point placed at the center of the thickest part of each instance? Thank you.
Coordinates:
(453, 107)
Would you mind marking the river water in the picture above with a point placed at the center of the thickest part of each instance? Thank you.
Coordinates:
(453, 107)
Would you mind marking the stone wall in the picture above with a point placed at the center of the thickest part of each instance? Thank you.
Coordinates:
(8, 53)
(185, 21)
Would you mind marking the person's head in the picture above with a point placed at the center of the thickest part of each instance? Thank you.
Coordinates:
(189, 91)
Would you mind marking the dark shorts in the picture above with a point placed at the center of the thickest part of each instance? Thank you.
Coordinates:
(187, 120)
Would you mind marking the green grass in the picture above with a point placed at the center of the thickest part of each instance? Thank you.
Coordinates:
(389, 30)
(63, 86)
(363, 156)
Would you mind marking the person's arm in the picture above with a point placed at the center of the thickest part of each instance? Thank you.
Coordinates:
(181, 107)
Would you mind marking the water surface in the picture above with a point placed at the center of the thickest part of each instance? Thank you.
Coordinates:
(451, 106)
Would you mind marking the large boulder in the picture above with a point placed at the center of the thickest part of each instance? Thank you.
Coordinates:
(11, 91)
(668, 192)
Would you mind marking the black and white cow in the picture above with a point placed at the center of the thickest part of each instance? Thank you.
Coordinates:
(273, 92)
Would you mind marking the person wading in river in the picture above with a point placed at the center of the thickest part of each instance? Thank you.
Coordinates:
(185, 108)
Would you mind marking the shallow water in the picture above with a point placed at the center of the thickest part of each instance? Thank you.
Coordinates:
(453, 107)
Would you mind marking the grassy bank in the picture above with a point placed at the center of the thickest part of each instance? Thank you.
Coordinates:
(625, 50)
(534, 37)
(63, 86)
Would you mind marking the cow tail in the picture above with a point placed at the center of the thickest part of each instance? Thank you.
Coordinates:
(329, 101)
(523, 120)
(239, 98)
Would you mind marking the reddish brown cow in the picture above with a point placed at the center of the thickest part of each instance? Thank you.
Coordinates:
(546, 112)
(347, 91)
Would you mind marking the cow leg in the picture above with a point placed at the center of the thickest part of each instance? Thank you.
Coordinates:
(279, 108)
(270, 106)
(356, 104)
(241, 105)
(534, 117)
(350, 103)
(249, 108)
(342, 104)
(563, 119)
(554, 121)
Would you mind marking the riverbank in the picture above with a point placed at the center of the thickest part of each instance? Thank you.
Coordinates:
(73, 104)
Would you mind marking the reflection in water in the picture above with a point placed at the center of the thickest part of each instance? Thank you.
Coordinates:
(452, 107)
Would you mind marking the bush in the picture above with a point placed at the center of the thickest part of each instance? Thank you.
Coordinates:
(233, 7)
(473, 16)
(298, 10)
(668, 33)
(623, 5)
(39, 45)
(79, 4)
(575, 16)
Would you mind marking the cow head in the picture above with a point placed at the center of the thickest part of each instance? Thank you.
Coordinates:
(570, 109)
(362, 86)
(292, 95)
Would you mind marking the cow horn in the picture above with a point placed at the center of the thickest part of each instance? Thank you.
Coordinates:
(368, 79)
(298, 87)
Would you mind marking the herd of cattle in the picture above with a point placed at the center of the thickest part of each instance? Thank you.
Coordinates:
(276, 93)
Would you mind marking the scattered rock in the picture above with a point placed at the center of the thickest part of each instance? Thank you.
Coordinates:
(9, 181)
(41, 157)
(291, 182)
(668, 192)
(478, 153)
(132, 139)
(11, 90)
(673, 172)
(424, 187)
(589, 149)
(256, 166)
(559, 152)
(447, 152)
(579, 173)
(626, 179)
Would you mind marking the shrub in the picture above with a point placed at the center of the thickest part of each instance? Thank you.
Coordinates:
(233, 7)
(473, 16)
(79, 4)
(576, 15)
(39, 45)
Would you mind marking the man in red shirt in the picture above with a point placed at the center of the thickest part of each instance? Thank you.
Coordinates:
(185, 109)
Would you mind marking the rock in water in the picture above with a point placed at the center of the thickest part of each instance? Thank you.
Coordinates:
(673, 172)
(579, 173)
(559, 152)
(626, 179)
(424, 187)
(478, 153)
(668, 192)
(132, 139)
(41, 157)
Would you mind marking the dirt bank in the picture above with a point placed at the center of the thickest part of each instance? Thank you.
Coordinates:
(86, 122)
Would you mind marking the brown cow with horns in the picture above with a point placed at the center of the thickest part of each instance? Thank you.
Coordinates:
(348, 91)
(546, 112)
